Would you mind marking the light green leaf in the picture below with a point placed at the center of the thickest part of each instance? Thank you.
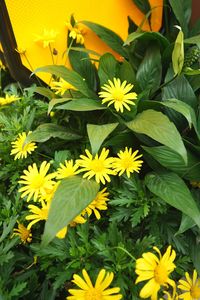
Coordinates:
(48, 130)
(190, 72)
(72, 196)
(98, 133)
(193, 40)
(107, 68)
(158, 127)
(70, 76)
(171, 160)
(172, 189)
(108, 36)
(46, 92)
(55, 101)
(178, 53)
(82, 104)
(149, 72)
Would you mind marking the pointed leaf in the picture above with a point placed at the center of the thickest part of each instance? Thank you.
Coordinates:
(98, 133)
(107, 68)
(72, 196)
(46, 131)
(178, 53)
(158, 127)
(82, 104)
(173, 190)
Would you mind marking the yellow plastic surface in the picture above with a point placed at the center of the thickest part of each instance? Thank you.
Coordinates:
(30, 17)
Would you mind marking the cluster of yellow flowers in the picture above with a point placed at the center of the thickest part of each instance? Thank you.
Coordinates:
(41, 187)
(8, 99)
(154, 268)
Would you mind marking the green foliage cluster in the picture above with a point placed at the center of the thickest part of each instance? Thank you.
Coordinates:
(156, 207)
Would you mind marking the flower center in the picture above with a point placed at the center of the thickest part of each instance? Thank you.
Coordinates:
(97, 166)
(126, 162)
(93, 294)
(195, 291)
(118, 95)
(38, 182)
(160, 274)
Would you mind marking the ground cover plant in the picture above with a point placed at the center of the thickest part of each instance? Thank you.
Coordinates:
(100, 176)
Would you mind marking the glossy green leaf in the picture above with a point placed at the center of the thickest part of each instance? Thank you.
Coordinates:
(98, 133)
(82, 104)
(55, 101)
(182, 11)
(173, 190)
(190, 72)
(70, 76)
(72, 196)
(149, 72)
(107, 68)
(157, 126)
(46, 92)
(178, 53)
(48, 130)
(113, 40)
(171, 160)
(186, 223)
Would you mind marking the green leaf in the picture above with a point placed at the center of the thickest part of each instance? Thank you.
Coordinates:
(190, 72)
(155, 36)
(171, 160)
(182, 11)
(72, 196)
(48, 130)
(42, 91)
(186, 223)
(193, 40)
(55, 101)
(98, 133)
(172, 189)
(158, 127)
(82, 105)
(178, 53)
(108, 36)
(107, 68)
(149, 72)
(70, 76)
(127, 73)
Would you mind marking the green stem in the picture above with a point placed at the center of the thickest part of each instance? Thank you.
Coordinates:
(125, 251)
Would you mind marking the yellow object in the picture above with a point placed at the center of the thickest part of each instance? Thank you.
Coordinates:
(40, 19)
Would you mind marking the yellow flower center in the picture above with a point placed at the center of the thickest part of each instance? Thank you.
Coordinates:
(97, 166)
(93, 294)
(126, 162)
(195, 292)
(160, 274)
(118, 95)
(38, 182)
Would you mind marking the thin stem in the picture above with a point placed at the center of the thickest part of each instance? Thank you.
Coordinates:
(125, 251)
(51, 54)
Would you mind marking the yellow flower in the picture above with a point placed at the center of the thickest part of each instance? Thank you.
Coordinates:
(62, 233)
(76, 32)
(195, 184)
(49, 193)
(156, 271)
(99, 203)
(99, 291)
(190, 287)
(99, 166)
(127, 162)
(23, 232)
(168, 296)
(8, 99)
(67, 170)
(117, 93)
(2, 67)
(36, 182)
(47, 37)
(37, 214)
(61, 86)
(78, 220)
(19, 149)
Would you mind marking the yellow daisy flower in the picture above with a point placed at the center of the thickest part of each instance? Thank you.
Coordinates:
(61, 86)
(156, 271)
(168, 296)
(19, 149)
(190, 287)
(23, 232)
(36, 182)
(99, 291)
(67, 170)
(76, 32)
(117, 93)
(47, 37)
(127, 162)
(62, 233)
(99, 203)
(37, 214)
(8, 99)
(49, 193)
(98, 166)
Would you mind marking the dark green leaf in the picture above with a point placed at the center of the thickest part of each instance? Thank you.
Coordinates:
(158, 127)
(48, 130)
(155, 36)
(172, 189)
(149, 72)
(71, 197)
(182, 11)
(186, 223)
(107, 68)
